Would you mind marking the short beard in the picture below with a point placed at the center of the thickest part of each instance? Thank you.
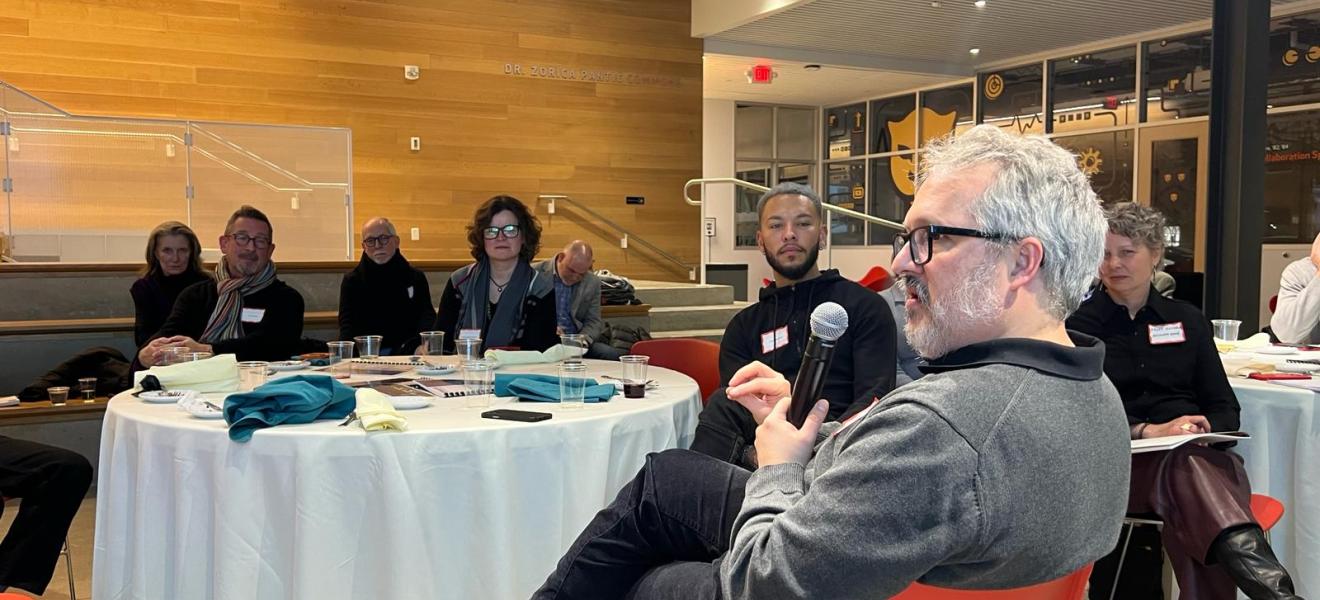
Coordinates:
(973, 302)
(798, 272)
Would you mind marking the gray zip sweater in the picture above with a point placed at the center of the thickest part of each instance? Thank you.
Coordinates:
(1007, 465)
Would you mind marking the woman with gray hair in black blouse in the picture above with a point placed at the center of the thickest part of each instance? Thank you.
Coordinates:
(1160, 355)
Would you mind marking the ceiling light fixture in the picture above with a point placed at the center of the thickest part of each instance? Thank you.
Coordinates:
(979, 4)
(811, 67)
(975, 51)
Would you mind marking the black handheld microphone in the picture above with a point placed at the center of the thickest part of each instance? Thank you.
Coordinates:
(828, 322)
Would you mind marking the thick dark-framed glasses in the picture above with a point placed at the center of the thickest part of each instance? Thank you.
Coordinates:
(509, 231)
(243, 239)
(378, 241)
(921, 241)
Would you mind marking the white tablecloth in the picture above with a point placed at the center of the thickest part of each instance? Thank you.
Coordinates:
(1283, 460)
(456, 507)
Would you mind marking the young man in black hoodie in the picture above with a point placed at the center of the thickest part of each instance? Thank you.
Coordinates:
(774, 331)
(384, 295)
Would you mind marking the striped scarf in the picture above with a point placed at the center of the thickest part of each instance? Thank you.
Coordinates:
(225, 322)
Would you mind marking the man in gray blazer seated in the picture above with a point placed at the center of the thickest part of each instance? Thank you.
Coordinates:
(1006, 465)
(577, 297)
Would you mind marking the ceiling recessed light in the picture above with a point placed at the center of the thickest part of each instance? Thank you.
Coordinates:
(811, 67)
(934, 4)
(975, 51)
(979, 4)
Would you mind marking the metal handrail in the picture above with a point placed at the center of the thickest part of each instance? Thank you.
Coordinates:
(829, 208)
(628, 236)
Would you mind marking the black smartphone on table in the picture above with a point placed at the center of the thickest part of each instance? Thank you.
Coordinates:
(525, 416)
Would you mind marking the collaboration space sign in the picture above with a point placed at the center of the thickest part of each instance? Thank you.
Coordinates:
(570, 73)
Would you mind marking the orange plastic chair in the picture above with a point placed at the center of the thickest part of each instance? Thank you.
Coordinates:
(878, 279)
(13, 596)
(698, 359)
(1266, 510)
(1068, 587)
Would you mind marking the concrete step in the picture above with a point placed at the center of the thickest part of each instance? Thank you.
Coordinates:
(668, 293)
(713, 335)
(710, 316)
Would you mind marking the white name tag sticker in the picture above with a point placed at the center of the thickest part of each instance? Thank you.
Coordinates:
(252, 315)
(469, 334)
(1167, 333)
(410, 291)
(774, 340)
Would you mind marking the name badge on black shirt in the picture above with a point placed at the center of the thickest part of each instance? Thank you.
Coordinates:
(252, 315)
(1167, 333)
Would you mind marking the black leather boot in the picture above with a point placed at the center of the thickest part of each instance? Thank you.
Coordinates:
(1250, 561)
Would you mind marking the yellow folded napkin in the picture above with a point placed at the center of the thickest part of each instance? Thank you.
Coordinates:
(1259, 340)
(215, 374)
(555, 353)
(1244, 366)
(376, 412)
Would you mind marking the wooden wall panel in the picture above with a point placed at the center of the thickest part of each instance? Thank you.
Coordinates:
(341, 63)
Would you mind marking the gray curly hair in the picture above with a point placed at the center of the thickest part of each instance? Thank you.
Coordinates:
(1038, 191)
(1141, 224)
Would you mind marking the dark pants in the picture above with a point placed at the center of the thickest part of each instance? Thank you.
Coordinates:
(724, 429)
(604, 351)
(659, 538)
(51, 483)
(1199, 492)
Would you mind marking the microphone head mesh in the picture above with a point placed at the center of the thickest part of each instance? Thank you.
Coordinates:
(829, 321)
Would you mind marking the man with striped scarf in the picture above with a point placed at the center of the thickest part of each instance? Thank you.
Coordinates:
(246, 311)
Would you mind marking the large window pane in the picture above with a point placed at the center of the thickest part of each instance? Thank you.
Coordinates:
(744, 210)
(1107, 159)
(795, 133)
(752, 132)
(1177, 76)
(845, 131)
(946, 110)
(1011, 99)
(893, 124)
(892, 188)
(1292, 177)
(847, 188)
(1294, 60)
(1094, 90)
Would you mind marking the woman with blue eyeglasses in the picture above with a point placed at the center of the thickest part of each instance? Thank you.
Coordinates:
(500, 298)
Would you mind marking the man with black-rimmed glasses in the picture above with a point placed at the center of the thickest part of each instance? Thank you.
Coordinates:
(246, 311)
(385, 295)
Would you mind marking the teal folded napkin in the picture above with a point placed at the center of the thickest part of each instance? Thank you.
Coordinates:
(296, 399)
(545, 388)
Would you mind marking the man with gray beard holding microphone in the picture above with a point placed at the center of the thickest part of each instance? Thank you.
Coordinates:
(1005, 466)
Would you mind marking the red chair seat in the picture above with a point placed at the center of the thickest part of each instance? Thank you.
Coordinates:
(698, 359)
(1068, 587)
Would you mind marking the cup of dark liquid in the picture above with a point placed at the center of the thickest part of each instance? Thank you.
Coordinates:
(634, 375)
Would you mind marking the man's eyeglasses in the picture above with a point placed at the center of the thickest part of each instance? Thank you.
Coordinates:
(378, 241)
(921, 241)
(243, 239)
(509, 231)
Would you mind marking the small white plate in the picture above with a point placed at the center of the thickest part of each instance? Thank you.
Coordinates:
(163, 396)
(1276, 350)
(1295, 367)
(409, 402)
(289, 365)
(207, 413)
(434, 371)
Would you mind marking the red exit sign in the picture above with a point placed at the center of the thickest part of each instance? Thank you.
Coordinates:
(761, 74)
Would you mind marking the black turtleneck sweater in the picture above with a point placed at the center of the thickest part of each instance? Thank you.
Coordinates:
(153, 299)
(392, 300)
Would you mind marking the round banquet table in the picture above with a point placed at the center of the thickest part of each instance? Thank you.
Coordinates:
(457, 506)
(1283, 460)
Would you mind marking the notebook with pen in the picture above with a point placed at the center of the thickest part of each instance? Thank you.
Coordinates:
(447, 388)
